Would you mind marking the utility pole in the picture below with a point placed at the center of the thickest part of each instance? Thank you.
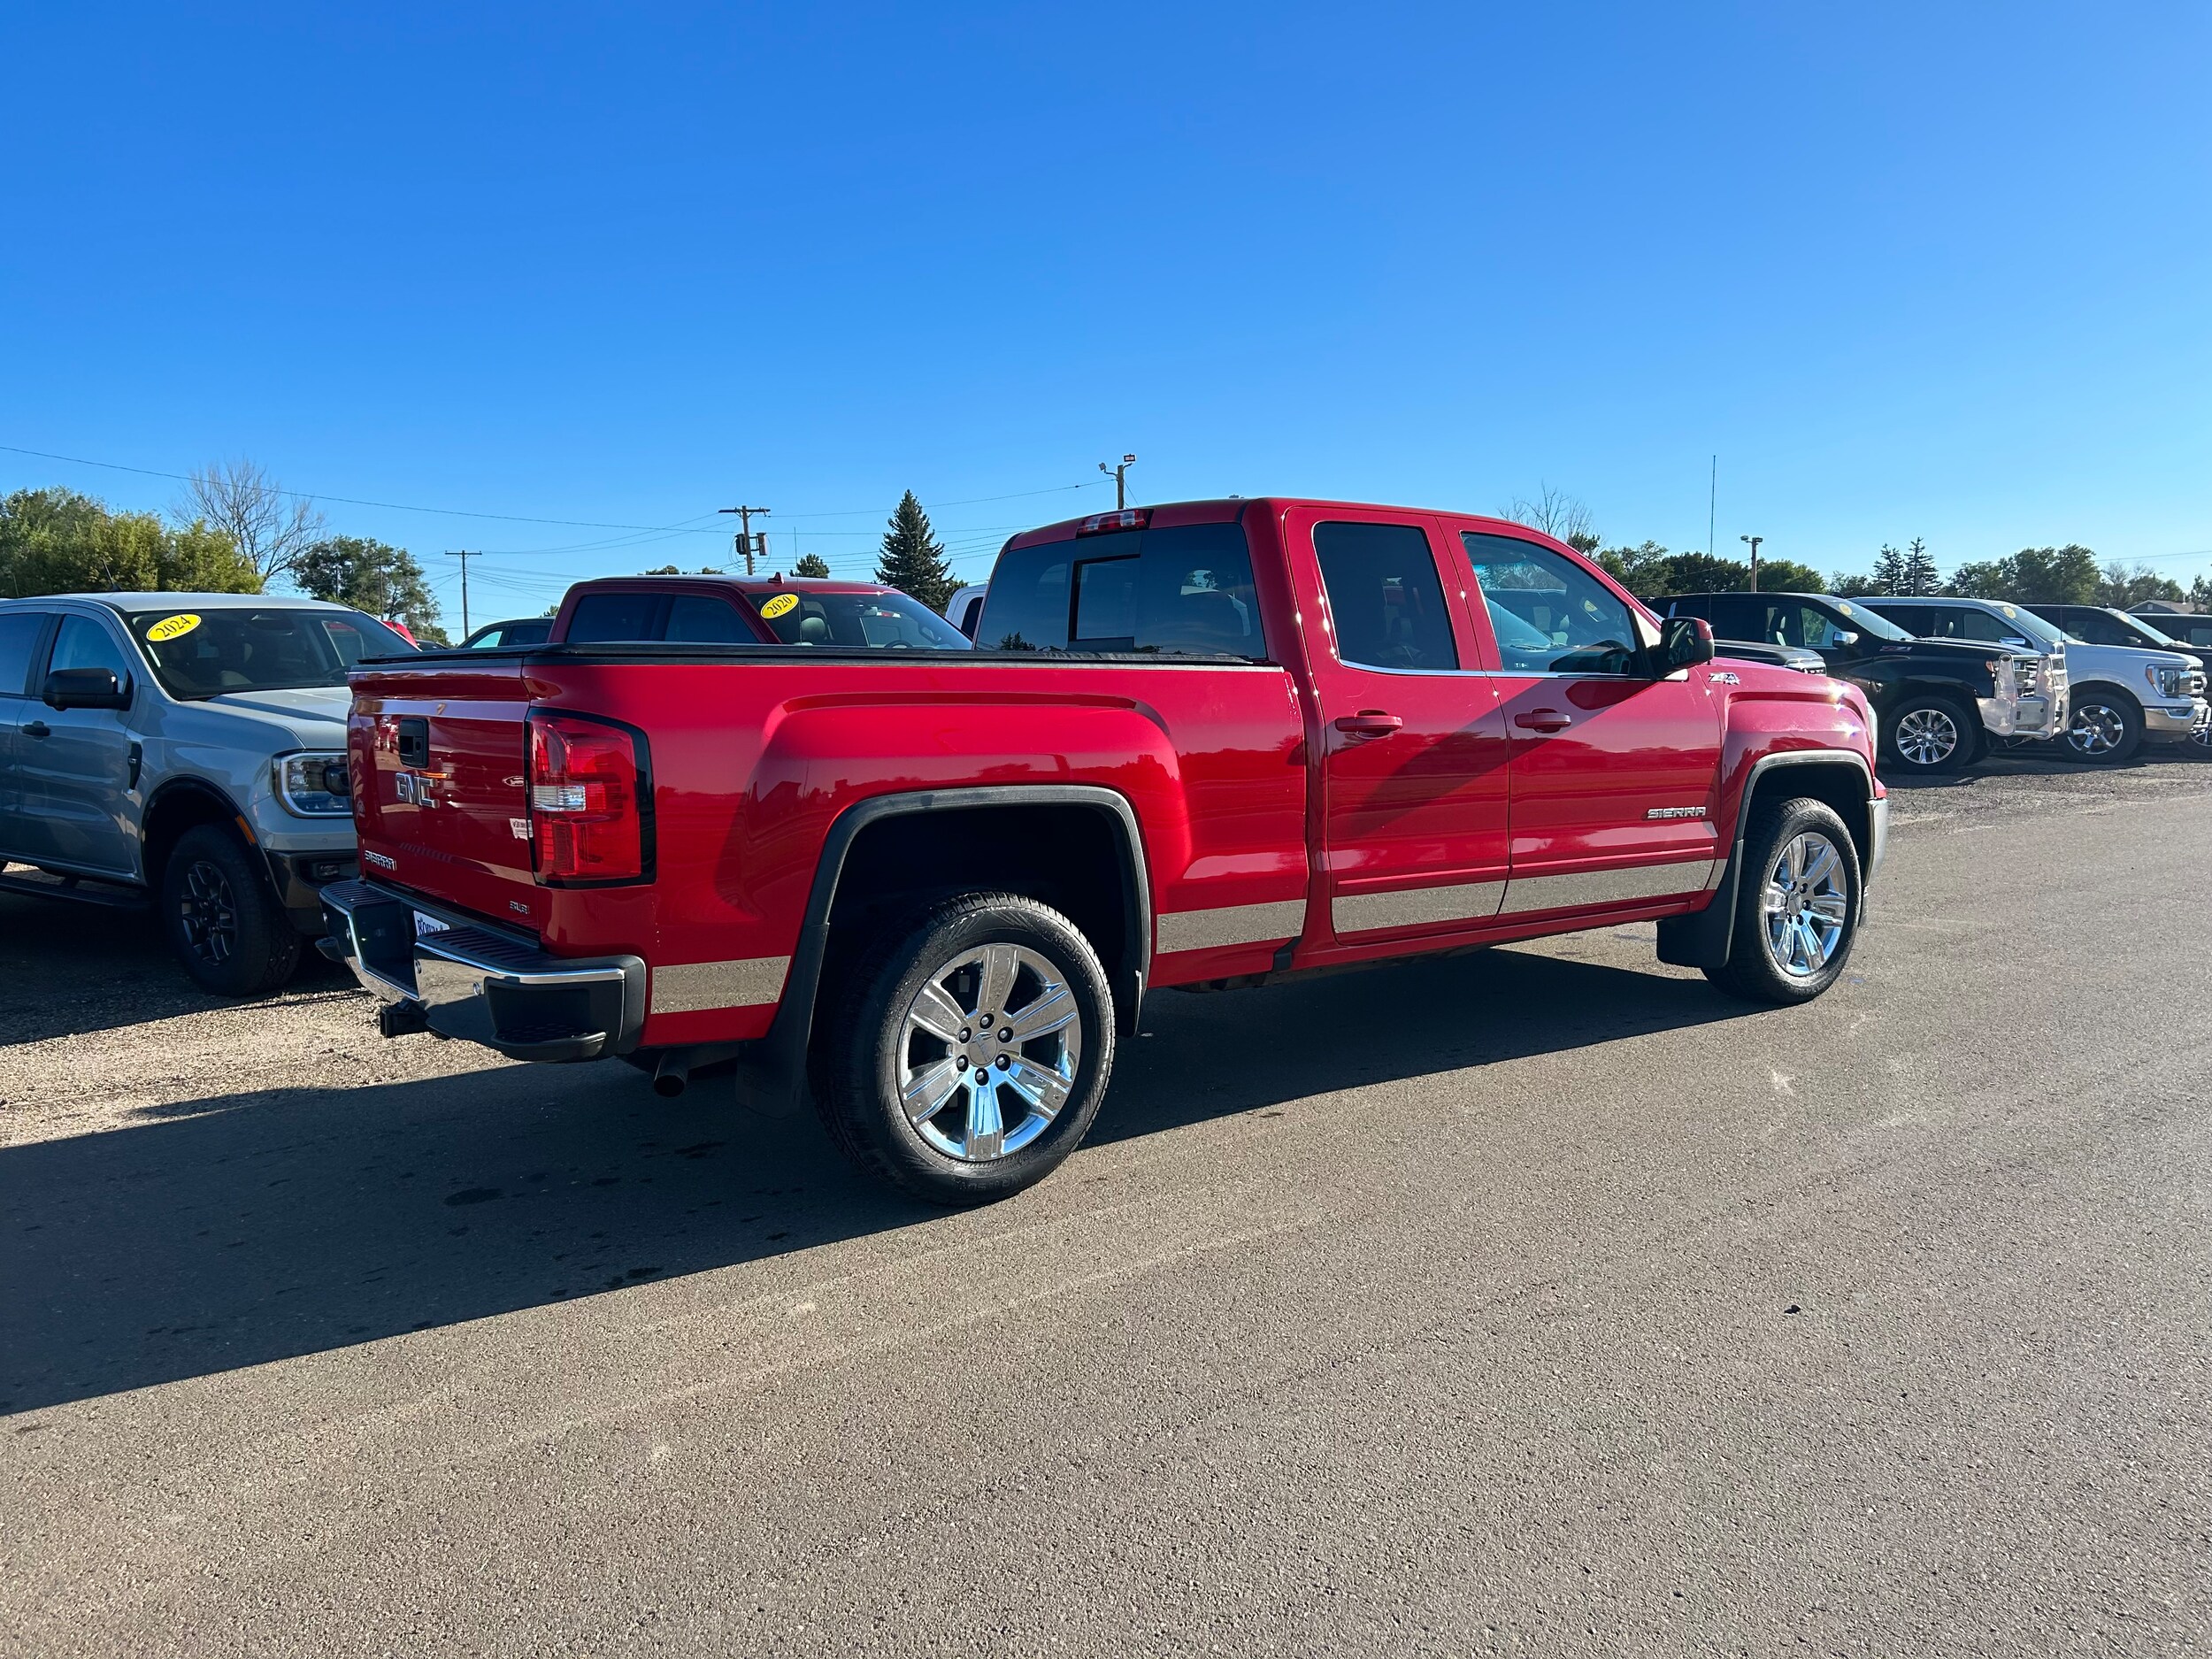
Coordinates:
(1712, 505)
(1121, 492)
(745, 542)
(464, 559)
(1754, 540)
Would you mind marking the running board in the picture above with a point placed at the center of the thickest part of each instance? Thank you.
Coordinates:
(85, 891)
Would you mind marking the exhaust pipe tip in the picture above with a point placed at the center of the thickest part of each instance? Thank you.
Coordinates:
(672, 1074)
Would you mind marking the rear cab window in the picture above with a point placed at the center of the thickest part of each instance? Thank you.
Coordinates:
(849, 621)
(1181, 590)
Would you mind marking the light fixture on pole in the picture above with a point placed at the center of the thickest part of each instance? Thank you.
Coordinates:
(1121, 494)
(1754, 540)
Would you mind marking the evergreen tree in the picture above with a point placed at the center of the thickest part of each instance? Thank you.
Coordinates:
(1889, 570)
(811, 565)
(1918, 569)
(911, 560)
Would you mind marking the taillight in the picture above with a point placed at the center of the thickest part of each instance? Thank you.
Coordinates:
(1106, 523)
(589, 801)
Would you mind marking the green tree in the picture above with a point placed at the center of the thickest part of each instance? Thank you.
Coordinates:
(2200, 595)
(58, 541)
(1635, 568)
(1787, 576)
(2033, 576)
(2127, 587)
(1918, 574)
(1889, 570)
(371, 576)
(811, 565)
(911, 560)
(1846, 586)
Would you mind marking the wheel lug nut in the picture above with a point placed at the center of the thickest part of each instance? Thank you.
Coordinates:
(1007, 1035)
(965, 1033)
(1003, 1063)
(964, 1063)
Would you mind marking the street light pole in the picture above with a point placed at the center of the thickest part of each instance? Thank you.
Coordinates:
(1754, 540)
(1121, 494)
(745, 534)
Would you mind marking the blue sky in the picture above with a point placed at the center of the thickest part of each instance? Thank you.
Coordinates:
(1908, 270)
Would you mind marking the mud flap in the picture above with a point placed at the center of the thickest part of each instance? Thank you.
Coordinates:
(1701, 939)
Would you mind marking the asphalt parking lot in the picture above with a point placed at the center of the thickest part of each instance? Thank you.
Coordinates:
(1539, 1301)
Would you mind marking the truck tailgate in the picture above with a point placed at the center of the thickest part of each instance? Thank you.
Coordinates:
(440, 761)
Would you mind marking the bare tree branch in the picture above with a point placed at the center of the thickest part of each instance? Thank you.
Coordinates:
(271, 526)
(1555, 513)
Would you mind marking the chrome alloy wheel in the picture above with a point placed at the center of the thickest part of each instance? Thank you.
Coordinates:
(1927, 737)
(1805, 902)
(2096, 729)
(989, 1052)
(210, 913)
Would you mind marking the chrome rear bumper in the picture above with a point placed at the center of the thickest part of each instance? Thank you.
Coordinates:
(481, 984)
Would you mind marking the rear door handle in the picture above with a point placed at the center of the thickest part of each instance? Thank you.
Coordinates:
(1368, 722)
(1543, 721)
(36, 728)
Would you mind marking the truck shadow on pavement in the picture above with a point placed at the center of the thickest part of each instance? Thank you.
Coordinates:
(239, 1229)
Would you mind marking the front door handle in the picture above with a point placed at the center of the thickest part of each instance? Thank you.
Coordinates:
(1368, 722)
(1543, 721)
(36, 728)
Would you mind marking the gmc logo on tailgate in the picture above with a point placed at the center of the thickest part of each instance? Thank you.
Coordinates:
(416, 788)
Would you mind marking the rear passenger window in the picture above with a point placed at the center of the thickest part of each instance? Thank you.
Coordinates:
(610, 618)
(1182, 591)
(1384, 596)
(694, 620)
(19, 637)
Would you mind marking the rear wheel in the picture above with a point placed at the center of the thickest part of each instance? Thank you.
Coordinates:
(222, 920)
(968, 1049)
(1797, 904)
(2104, 729)
(1929, 735)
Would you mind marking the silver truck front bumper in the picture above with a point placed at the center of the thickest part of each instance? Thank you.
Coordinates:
(449, 974)
(2173, 722)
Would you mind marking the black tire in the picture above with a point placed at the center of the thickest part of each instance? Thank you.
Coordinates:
(1927, 734)
(1754, 971)
(2103, 728)
(864, 1047)
(221, 919)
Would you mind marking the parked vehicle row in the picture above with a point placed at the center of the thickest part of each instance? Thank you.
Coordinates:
(1948, 677)
(1209, 744)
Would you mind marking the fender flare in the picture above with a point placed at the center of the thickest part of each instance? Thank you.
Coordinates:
(772, 1068)
(1702, 939)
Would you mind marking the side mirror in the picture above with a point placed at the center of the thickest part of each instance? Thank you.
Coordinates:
(86, 688)
(1844, 636)
(1684, 641)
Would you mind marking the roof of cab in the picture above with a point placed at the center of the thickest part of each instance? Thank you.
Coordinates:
(744, 584)
(1228, 509)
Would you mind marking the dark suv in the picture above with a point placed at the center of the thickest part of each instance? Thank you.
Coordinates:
(1939, 703)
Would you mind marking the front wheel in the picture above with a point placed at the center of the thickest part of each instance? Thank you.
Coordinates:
(1928, 735)
(968, 1049)
(222, 920)
(2104, 728)
(1798, 902)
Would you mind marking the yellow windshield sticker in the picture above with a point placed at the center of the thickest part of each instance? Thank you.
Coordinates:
(1844, 609)
(782, 604)
(172, 627)
(2008, 610)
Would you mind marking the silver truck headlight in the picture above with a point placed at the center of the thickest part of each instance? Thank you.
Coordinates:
(314, 785)
(2168, 681)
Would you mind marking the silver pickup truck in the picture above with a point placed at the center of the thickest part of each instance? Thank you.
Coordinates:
(186, 750)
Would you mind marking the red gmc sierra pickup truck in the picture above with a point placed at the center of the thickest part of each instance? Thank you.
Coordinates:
(1196, 745)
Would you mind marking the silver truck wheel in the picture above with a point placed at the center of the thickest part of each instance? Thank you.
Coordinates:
(1928, 736)
(2103, 730)
(989, 1052)
(966, 1049)
(1806, 902)
(1797, 903)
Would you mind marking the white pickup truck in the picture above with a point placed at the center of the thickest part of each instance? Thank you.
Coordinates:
(186, 750)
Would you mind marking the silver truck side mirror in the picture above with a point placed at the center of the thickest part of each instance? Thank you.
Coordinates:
(1844, 636)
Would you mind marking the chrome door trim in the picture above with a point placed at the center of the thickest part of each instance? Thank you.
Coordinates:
(1524, 893)
(1415, 907)
(1232, 925)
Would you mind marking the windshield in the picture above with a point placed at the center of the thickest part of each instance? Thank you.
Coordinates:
(206, 653)
(858, 621)
(2142, 627)
(2029, 624)
(1866, 622)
